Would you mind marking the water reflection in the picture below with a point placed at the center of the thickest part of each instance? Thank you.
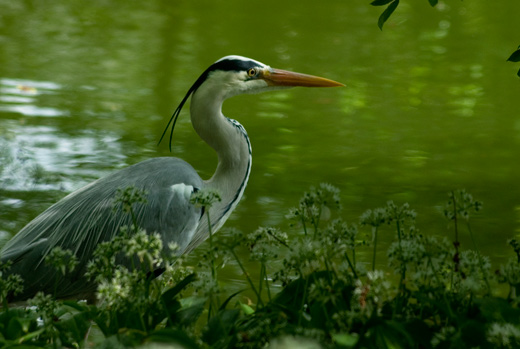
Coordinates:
(430, 106)
(19, 96)
(39, 158)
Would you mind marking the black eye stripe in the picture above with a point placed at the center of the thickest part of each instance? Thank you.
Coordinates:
(234, 65)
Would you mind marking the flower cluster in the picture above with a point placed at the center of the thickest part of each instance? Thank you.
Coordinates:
(12, 284)
(63, 260)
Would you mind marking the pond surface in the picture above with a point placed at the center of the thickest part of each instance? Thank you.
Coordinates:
(430, 104)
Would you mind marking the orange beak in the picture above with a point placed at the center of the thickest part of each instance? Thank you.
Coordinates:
(278, 77)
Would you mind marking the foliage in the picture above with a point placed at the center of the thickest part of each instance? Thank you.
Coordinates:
(312, 287)
(515, 57)
(392, 6)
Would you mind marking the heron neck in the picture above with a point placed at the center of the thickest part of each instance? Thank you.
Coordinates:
(229, 141)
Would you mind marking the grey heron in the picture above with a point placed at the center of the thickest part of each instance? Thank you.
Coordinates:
(84, 218)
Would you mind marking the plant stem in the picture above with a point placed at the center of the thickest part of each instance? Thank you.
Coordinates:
(481, 264)
(316, 222)
(304, 226)
(351, 265)
(281, 242)
(214, 301)
(304, 299)
(374, 233)
(266, 278)
(241, 266)
(403, 264)
(450, 311)
(212, 256)
(456, 243)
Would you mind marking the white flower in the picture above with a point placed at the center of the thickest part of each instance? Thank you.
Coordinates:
(504, 335)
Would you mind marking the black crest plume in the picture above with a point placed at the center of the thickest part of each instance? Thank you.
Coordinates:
(173, 119)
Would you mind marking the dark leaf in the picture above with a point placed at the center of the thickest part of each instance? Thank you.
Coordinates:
(76, 305)
(380, 2)
(433, 2)
(518, 73)
(74, 328)
(125, 338)
(225, 303)
(171, 304)
(473, 333)
(172, 292)
(14, 329)
(386, 334)
(496, 309)
(172, 336)
(16, 324)
(419, 332)
(515, 56)
(387, 13)
(219, 326)
(188, 315)
(132, 319)
(291, 295)
(171, 307)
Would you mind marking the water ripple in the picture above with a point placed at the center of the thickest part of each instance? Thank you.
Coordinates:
(19, 96)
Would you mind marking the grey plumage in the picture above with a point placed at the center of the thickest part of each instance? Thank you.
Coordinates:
(83, 219)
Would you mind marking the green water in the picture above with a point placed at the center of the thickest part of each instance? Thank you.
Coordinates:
(430, 104)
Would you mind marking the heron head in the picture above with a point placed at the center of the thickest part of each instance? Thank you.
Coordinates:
(234, 75)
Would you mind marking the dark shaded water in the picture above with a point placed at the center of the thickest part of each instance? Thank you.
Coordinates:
(430, 104)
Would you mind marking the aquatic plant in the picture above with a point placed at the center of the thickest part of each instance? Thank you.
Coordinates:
(311, 286)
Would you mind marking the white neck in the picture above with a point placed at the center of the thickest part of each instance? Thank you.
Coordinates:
(228, 138)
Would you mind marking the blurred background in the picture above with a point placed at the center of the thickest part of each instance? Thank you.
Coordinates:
(430, 103)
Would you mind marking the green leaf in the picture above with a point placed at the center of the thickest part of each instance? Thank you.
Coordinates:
(172, 292)
(380, 2)
(224, 305)
(172, 336)
(290, 297)
(387, 13)
(28, 338)
(188, 314)
(14, 329)
(169, 300)
(515, 56)
(518, 73)
(420, 333)
(433, 2)
(79, 306)
(348, 340)
(220, 326)
(385, 334)
(495, 309)
(473, 333)
(74, 328)
(247, 309)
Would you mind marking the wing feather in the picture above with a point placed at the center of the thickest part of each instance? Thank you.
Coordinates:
(84, 218)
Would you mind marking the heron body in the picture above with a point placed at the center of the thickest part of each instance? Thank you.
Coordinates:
(84, 218)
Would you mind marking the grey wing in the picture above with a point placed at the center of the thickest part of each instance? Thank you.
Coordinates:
(83, 219)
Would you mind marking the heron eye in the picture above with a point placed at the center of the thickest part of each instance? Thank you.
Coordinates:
(251, 72)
